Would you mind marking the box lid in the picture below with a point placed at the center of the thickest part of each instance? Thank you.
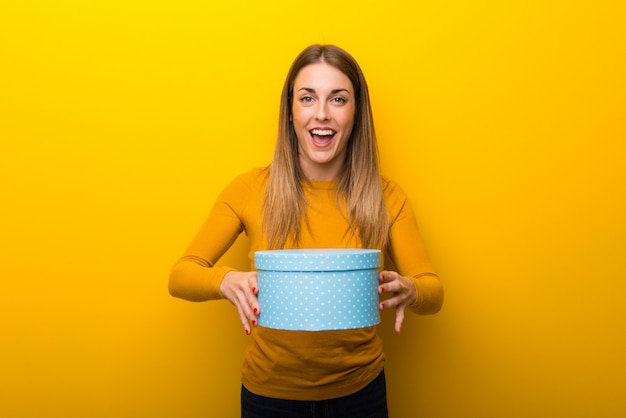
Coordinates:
(328, 259)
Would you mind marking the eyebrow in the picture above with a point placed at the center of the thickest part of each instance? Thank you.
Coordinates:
(335, 91)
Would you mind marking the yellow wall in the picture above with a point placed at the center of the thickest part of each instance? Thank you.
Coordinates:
(120, 121)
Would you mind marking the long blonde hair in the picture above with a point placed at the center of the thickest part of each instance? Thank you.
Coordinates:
(359, 184)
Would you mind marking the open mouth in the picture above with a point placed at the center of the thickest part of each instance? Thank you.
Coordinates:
(322, 137)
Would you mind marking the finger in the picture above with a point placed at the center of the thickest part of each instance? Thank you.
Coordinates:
(246, 309)
(254, 283)
(253, 299)
(249, 309)
(399, 318)
(390, 302)
(244, 322)
(390, 287)
(255, 311)
(385, 276)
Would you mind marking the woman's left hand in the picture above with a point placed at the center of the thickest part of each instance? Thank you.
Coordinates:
(402, 291)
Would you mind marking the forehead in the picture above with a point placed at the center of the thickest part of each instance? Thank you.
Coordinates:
(322, 76)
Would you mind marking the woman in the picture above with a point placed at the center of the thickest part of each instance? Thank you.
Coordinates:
(323, 189)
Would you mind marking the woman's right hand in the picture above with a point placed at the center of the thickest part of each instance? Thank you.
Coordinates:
(241, 289)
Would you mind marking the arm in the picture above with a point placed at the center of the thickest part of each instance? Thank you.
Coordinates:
(415, 285)
(194, 276)
(408, 254)
(195, 279)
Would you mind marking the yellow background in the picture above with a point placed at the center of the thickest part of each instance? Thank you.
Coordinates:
(120, 121)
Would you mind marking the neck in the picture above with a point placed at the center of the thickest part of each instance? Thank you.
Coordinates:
(321, 172)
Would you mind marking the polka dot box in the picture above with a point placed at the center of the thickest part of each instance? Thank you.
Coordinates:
(315, 290)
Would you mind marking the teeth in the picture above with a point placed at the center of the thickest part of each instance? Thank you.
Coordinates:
(322, 132)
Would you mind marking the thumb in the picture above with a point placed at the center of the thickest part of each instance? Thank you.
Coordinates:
(399, 318)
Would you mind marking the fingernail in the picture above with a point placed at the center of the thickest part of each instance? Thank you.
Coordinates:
(382, 306)
(254, 322)
(247, 331)
(382, 289)
(254, 290)
(256, 310)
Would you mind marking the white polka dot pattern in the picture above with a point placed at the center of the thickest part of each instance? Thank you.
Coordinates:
(314, 290)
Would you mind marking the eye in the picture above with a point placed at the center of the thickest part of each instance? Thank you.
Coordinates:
(339, 100)
(306, 99)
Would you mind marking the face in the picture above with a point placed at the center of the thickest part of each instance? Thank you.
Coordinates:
(323, 116)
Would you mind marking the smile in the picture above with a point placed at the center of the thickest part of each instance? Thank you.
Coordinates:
(322, 132)
(322, 138)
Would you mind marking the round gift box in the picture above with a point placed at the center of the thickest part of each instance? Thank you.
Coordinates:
(316, 290)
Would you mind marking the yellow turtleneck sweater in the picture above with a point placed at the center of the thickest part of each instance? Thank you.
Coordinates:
(304, 365)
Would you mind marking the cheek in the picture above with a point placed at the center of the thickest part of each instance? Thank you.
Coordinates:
(296, 116)
(298, 126)
(348, 121)
(301, 119)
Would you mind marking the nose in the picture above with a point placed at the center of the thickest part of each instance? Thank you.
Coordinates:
(322, 111)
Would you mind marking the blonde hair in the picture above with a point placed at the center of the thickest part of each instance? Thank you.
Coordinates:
(359, 184)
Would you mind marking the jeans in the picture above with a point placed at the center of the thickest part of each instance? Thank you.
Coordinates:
(369, 402)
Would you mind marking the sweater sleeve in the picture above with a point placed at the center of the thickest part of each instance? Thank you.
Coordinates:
(194, 276)
(408, 253)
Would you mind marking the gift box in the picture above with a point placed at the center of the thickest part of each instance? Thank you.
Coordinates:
(318, 289)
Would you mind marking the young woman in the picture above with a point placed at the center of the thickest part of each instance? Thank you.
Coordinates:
(323, 189)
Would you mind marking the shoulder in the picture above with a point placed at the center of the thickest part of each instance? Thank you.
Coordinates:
(245, 186)
(391, 189)
(252, 179)
(396, 199)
